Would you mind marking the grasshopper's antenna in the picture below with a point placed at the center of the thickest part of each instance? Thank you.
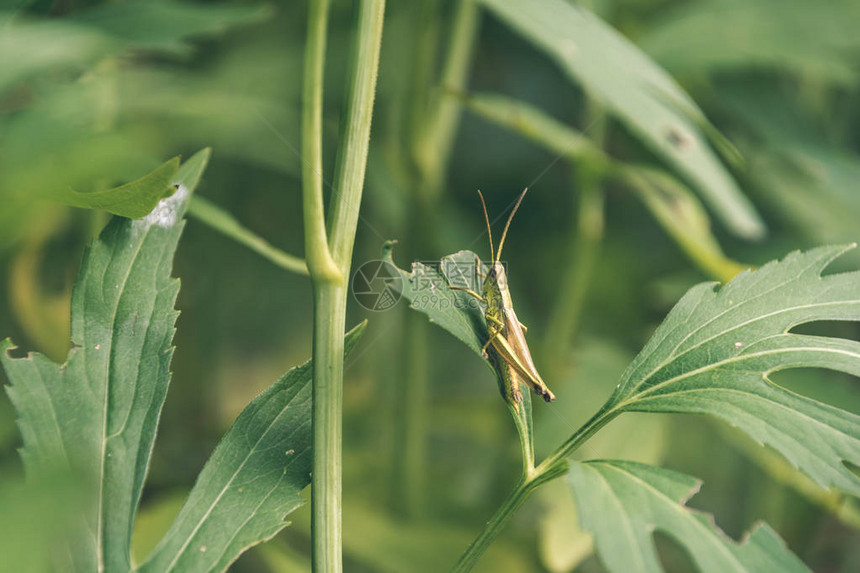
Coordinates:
(487, 220)
(508, 224)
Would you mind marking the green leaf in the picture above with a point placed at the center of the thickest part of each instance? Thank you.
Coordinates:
(674, 206)
(715, 351)
(156, 24)
(251, 481)
(623, 503)
(133, 200)
(795, 166)
(536, 125)
(427, 288)
(96, 415)
(33, 48)
(681, 214)
(803, 37)
(635, 89)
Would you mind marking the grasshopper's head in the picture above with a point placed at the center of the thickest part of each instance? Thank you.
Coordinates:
(496, 274)
(496, 283)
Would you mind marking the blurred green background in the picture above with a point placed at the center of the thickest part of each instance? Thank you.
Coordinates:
(94, 94)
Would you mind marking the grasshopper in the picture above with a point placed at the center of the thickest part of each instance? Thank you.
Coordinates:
(506, 333)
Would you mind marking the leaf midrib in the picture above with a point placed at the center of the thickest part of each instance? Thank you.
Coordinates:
(205, 516)
(698, 345)
(672, 356)
(103, 458)
(638, 397)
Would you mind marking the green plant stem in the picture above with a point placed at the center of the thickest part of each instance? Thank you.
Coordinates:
(320, 262)
(223, 222)
(549, 469)
(326, 484)
(355, 138)
(494, 526)
(591, 427)
(505, 512)
(329, 268)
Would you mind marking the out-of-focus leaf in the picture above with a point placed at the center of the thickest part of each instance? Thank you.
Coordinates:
(796, 169)
(809, 38)
(562, 543)
(533, 123)
(681, 214)
(623, 503)
(640, 93)
(133, 200)
(715, 351)
(672, 204)
(97, 413)
(251, 481)
(56, 146)
(162, 25)
(31, 48)
(193, 109)
(37, 513)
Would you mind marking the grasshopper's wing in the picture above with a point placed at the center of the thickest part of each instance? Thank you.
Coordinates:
(514, 349)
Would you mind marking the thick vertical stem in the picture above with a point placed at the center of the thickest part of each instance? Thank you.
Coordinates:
(329, 321)
(330, 287)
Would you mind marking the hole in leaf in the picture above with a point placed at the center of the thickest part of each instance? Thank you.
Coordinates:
(831, 328)
(674, 556)
(16, 352)
(834, 388)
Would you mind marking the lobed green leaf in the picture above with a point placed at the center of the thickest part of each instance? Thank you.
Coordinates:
(715, 351)
(96, 415)
(624, 503)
